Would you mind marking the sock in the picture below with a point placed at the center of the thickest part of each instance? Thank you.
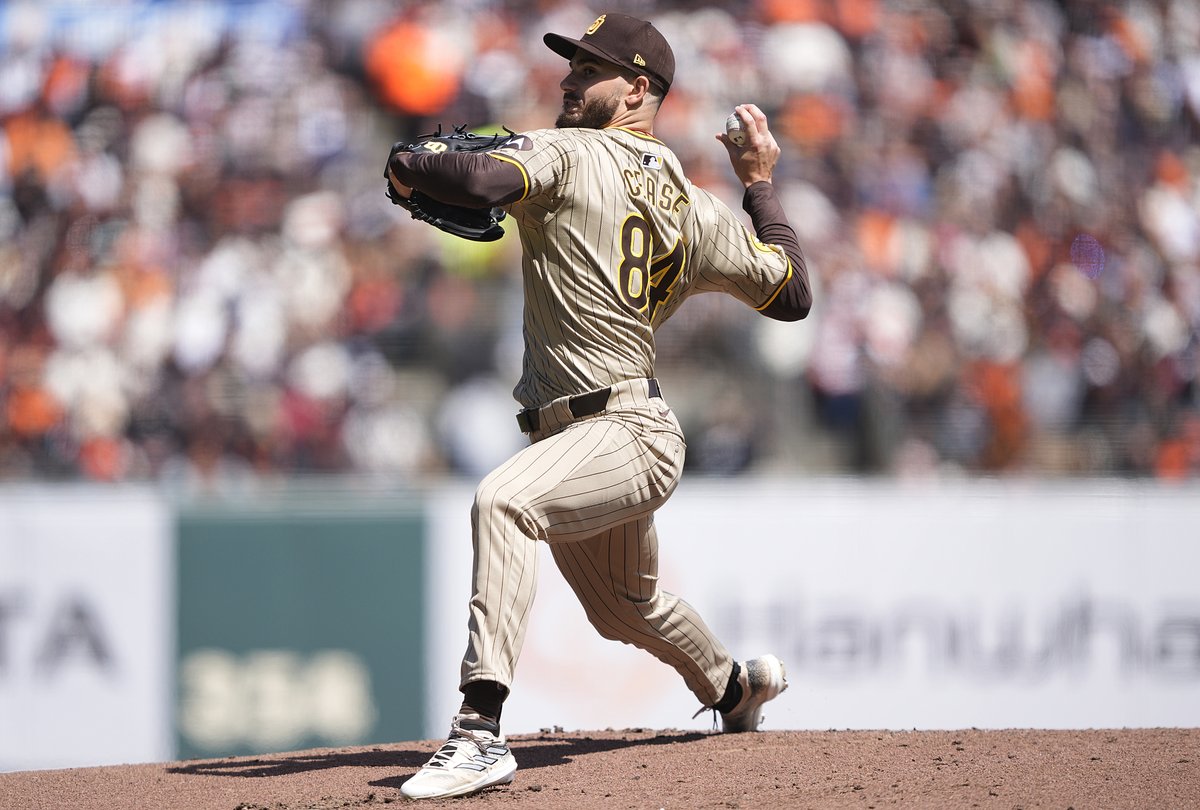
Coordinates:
(733, 692)
(486, 699)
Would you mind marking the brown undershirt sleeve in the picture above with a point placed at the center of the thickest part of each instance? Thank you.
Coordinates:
(469, 179)
(794, 300)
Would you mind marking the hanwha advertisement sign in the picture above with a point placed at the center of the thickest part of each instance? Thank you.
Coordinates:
(976, 604)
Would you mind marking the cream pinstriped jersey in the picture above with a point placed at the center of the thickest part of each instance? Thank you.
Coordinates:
(614, 238)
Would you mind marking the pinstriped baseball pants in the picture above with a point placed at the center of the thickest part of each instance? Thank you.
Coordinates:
(589, 488)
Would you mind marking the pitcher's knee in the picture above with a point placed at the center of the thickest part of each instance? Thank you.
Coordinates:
(621, 619)
(499, 503)
(609, 627)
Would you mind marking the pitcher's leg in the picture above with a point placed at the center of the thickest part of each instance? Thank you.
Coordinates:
(504, 582)
(577, 483)
(615, 577)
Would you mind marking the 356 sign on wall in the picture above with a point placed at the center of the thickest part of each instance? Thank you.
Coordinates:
(300, 625)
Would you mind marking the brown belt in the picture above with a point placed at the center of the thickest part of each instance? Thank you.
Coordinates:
(589, 404)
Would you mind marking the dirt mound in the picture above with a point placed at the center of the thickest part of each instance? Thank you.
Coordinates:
(640, 768)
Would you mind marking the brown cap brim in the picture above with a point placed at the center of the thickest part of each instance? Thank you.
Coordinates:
(565, 46)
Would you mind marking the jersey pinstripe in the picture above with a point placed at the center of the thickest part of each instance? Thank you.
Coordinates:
(614, 239)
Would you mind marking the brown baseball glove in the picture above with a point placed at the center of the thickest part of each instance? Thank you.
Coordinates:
(477, 224)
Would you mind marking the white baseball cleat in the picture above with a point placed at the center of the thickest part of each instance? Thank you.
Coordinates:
(762, 679)
(472, 759)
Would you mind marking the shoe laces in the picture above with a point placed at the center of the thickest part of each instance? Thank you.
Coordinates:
(704, 709)
(480, 739)
(458, 735)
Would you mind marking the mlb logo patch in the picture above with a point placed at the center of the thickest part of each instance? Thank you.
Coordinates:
(650, 161)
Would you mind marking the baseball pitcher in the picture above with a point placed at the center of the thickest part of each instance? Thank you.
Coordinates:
(614, 238)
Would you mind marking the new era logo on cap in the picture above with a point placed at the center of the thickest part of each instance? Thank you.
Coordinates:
(626, 41)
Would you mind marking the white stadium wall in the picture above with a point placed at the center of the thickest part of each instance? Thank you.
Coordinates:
(977, 604)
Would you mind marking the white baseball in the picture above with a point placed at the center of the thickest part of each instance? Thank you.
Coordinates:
(733, 128)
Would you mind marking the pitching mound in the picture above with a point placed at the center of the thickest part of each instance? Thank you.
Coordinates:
(639, 768)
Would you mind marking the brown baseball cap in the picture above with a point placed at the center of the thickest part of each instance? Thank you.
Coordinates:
(626, 41)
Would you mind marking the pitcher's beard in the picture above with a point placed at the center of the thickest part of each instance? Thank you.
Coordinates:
(595, 113)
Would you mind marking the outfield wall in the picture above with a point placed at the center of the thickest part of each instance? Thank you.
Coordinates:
(138, 627)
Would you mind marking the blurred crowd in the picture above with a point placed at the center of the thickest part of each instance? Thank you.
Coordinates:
(202, 282)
